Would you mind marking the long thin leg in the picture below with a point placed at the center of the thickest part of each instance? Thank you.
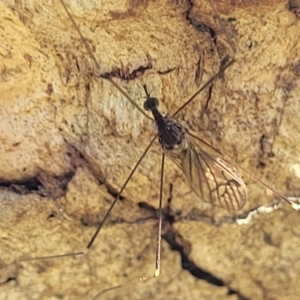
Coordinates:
(202, 88)
(90, 53)
(160, 217)
(159, 232)
(117, 198)
(294, 205)
(89, 245)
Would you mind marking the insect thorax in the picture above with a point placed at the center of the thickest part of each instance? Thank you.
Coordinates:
(171, 135)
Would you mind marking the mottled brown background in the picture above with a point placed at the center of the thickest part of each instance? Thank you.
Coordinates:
(68, 140)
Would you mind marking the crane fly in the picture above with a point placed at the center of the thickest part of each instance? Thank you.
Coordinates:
(212, 175)
(211, 178)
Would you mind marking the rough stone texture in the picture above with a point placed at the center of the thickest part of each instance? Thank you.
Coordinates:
(68, 140)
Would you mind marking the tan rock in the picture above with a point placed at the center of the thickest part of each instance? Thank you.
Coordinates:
(69, 139)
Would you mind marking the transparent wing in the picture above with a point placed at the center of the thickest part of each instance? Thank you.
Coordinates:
(212, 178)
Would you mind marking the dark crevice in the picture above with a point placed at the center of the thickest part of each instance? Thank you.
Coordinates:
(224, 61)
(296, 68)
(76, 63)
(10, 279)
(52, 215)
(213, 25)
(30, 184)
(199, 71)
(145, 205)
(294, 7)
(200, 26)
(122, 73)
(172, 237)
(208, 100)
(166, 71)
(195, 270)
(265, 151)
(8, 272)
(17, 186)
(183, 247)
(43, 185)
(81, 160)
(112, 191)
(64, 180)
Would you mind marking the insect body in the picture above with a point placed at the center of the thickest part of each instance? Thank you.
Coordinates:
(211, 178)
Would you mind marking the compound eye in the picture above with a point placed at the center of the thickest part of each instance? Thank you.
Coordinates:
(151, 104)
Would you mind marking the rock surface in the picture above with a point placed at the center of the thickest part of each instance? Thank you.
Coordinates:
(68, 140)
